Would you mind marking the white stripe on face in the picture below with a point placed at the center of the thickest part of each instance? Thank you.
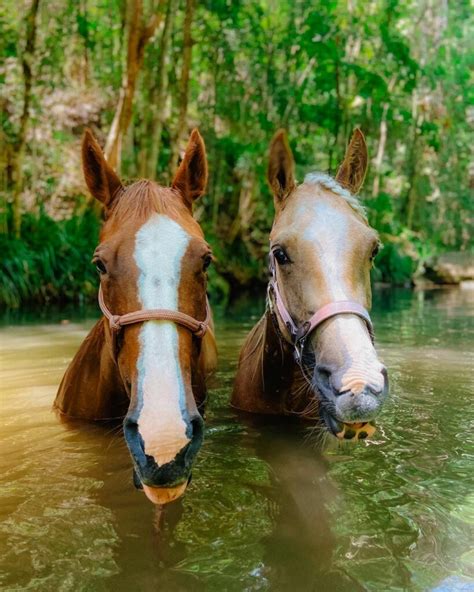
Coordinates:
(159, 248)
(328, 234)
(331, 238)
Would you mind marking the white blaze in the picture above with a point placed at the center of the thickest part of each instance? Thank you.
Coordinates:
(159, 248)
(330, 236)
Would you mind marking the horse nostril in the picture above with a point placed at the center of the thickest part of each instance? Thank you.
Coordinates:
(197, 427)
(370, 390)
(130, 426)
(377, 390)
(324, 376)
(133, 439)
(196, 436)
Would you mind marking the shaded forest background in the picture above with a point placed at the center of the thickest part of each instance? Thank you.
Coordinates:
(142, 73)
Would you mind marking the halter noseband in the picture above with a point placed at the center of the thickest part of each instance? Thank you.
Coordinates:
(299, 334)
(117, 322)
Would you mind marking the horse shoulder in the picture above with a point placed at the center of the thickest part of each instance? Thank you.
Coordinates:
(91, 388)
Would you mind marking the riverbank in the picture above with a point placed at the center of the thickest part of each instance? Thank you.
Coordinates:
(51, 264)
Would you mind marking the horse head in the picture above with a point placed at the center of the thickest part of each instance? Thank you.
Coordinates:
(322, 249)
(152, 256)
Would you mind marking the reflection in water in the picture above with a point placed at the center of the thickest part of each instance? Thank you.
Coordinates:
(298, 550)
(266, 509)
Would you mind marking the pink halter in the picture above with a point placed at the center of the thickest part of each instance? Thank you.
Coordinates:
(117, 322)
(299, 334)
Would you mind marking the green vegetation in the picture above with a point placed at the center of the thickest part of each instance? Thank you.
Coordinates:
(239, 70)
(50, 262)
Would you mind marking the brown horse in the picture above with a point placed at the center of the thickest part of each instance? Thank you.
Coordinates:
(312, 351)
(148, 366)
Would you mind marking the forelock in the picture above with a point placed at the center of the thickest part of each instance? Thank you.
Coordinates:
(142, 199)
(331, 184)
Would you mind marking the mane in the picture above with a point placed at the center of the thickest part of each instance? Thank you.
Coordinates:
(143, 198)
(330, 183)
(300, 399)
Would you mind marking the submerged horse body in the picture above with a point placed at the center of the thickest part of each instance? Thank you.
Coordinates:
(312, 352)
(148, 367)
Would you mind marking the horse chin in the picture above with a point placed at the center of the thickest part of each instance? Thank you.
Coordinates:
(349, 431)
(164, 495)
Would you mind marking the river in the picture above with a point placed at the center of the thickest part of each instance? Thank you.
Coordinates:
(267, 509)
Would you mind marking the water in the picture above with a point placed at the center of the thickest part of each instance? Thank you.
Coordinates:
(266, 510)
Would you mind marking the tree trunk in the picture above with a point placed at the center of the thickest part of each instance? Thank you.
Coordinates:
(158, 97)
(183, 87)
(408, 210)
(380, 151)
(338, 116)
(20, 144)
(84, 33)
(138, 37)
(298, 85)
(382, 139)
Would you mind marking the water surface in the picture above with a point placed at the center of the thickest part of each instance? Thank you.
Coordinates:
(266, 510)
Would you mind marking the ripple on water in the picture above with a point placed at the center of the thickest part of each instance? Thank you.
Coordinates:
(265, 510)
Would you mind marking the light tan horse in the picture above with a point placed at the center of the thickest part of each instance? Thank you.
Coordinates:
(312, 352)
(152, 258)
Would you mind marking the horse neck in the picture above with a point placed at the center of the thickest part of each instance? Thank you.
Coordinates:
(203, 366)
(282, 373)
(268, 379)
(91, 387)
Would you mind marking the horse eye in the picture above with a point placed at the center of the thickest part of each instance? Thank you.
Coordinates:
(207, 262)
(375, 251)
(100, 266)
(281, 256)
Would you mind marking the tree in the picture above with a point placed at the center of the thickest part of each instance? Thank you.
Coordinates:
(240, 70)
(157, 98)
(183, 89)
(20, 144)
(138, 36)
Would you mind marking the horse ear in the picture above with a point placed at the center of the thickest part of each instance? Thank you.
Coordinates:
(281, 167)
(351, 173)
(191, 177)
(101, 179)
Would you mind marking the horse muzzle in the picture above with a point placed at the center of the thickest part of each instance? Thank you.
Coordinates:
(349, 414)
(363, 406)
(162, 483)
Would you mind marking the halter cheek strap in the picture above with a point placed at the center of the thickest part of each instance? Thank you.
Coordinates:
(117, 322)
(299, 334)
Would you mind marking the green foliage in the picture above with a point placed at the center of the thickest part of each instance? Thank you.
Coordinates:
(51, 262)
(318, 69)
(393, 265)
